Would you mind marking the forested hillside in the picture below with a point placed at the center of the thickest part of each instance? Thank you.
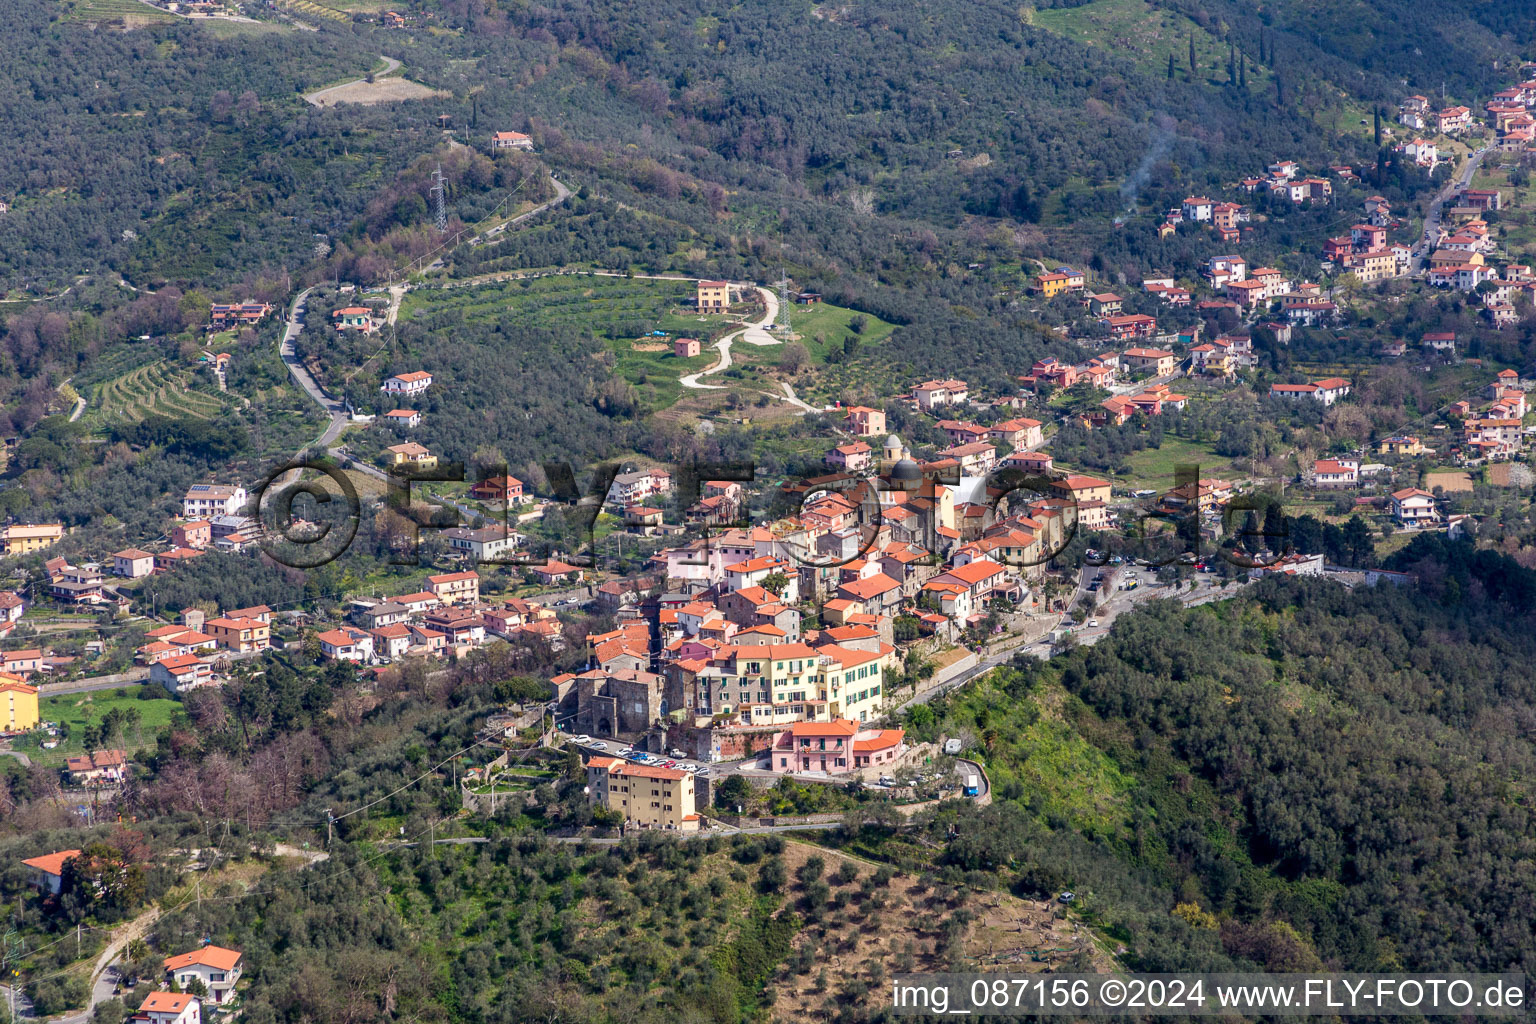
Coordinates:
(1304, 776)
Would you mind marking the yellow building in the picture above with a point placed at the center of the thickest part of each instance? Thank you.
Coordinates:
(18, 539)
(411, 454)
(18, 704)
(1403, 445)
(1373, 266)
(714, 296)
(646, 796)
(782, 683)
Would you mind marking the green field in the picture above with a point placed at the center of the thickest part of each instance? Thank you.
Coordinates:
(1154, 467)
(76, 709)
(152, 389)
(1145, 34)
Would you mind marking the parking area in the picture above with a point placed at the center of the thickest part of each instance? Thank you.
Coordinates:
(616, 748)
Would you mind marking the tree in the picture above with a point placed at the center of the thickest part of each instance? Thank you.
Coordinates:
(1170, 67)
(1192, 66)
(796, 357)
(775, 583)
(1377, 115)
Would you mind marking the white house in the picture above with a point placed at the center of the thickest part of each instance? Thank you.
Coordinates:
(511, 140)
(132, 563)
(1412, 507)
(47, 871)
(346, 644)
(216, 967)
(1336, 472)
(935, 394)
(204, 500)
(182, 672)
(170, 1008)
(495, 542)
(1197, 208)
(413, 383)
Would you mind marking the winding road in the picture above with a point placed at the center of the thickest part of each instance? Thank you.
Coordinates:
(755, 333)
(335, 409)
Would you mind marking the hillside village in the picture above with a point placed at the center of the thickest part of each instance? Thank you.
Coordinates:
(532, 512)
(768, 612)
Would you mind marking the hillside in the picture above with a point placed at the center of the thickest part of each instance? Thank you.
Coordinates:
(1315, 775)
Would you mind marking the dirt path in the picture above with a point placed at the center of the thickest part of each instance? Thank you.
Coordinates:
(319, 96)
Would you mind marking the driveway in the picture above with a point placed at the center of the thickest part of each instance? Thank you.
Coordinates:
(755, 333)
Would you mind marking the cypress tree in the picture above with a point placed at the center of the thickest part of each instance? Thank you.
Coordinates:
(1378, 127)
(1242, 71)
(1191, 56)
(1170, 67)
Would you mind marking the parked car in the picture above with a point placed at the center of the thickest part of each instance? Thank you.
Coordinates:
(598, 745)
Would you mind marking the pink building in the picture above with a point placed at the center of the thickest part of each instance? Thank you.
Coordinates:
(834, 747)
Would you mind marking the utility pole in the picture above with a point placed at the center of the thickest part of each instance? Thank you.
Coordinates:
(329, 821)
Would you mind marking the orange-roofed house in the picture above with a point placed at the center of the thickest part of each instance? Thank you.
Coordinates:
(195, 534)
(1092, 497)
(1413, 507)
(713, 296)
(455, 587)
(48, 870)
(403, 418)
(825, 747)
(103, 766)
(863, 421)
(354, 318)
(243, 635)
(170, 1008)
(498, 488)
(511, 140)
(877, 594)
(413, 383)
(216, 967)
(1160, 361)
(647, 797)
(876, 747)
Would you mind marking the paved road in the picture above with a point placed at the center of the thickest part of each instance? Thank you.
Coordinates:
(755, 333)
(79, 403)
(561, 195)
(1432, 215)
(333, 408)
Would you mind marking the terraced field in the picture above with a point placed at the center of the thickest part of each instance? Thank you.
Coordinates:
(315, 10)
(611, 307)
(117, 10)
(152, 389)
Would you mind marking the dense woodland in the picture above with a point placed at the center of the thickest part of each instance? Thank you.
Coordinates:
(1330, 776)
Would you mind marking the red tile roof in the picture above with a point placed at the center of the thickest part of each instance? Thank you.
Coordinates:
(51, 863)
